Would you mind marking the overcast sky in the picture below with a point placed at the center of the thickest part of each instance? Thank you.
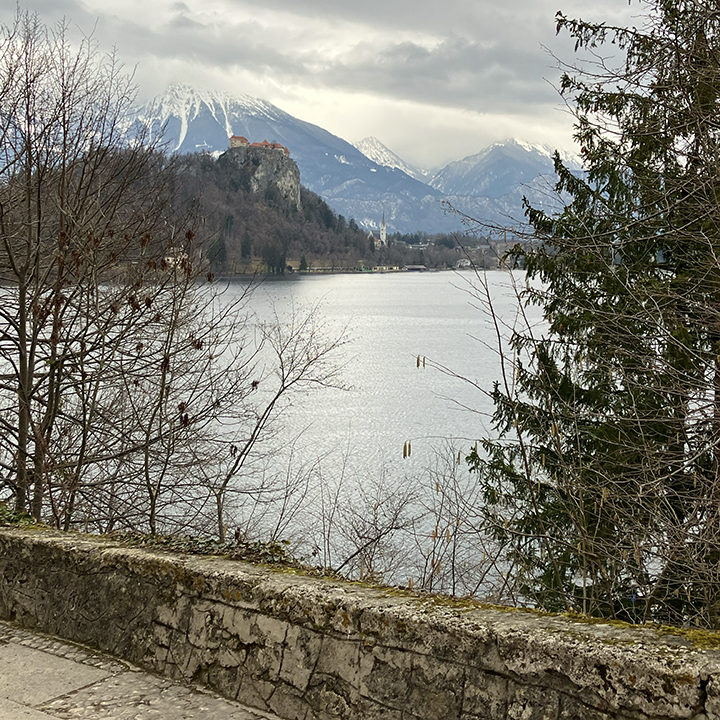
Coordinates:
(435, 80)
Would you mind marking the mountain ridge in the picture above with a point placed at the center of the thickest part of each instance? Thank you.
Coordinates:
(360, 185)
(379, 153)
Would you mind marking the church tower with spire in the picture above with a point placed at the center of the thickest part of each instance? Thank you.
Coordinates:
(382, 240)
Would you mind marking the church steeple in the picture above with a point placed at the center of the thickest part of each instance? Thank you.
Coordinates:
(383, 230)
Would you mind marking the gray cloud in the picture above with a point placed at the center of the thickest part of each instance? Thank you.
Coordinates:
(459, 16)
(485, 53)
(187, 40)
(476, 74)
(457, 72)
(482, 57)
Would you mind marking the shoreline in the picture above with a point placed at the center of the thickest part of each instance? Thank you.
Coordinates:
(322, 273)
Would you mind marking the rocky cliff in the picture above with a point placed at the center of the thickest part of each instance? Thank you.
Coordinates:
(266, 170)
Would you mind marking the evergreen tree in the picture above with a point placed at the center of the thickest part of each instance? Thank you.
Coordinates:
(217, 253)
(604, 487)
(246, 247)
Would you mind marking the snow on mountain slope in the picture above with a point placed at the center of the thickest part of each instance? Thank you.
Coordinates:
(372, 148)
(195, 120)
(498, 169)
(363, 185)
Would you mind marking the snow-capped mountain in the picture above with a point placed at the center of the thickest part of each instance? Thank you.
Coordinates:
(497, 170)
(372, 148)
(361, 185)
(197, 121)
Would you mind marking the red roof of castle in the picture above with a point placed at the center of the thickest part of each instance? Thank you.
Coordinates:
(274, 146)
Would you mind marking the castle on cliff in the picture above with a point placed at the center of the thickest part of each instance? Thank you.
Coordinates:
(265, 165)
(237, 141)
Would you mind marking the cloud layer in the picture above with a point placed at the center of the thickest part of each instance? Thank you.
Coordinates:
(463, 73)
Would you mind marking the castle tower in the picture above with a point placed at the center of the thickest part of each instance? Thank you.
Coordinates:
(238, 141)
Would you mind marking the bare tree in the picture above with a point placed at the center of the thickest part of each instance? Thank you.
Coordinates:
(131, 394)
(82, 221)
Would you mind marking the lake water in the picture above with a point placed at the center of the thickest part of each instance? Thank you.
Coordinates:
(389, 320)
(339, 486)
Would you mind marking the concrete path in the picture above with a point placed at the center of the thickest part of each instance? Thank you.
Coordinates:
(43, 678)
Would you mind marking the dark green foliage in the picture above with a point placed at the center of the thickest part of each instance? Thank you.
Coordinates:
(410, 238)
(246, 247)
(605, 486)
(329, 219)
(217, 254)
(274, 254)
(272, 196)
(11, 517)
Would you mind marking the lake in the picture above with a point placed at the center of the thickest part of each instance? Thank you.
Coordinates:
(389, 320)
(440, 408)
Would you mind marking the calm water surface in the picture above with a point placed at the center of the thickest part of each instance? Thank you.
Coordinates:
(389, 320)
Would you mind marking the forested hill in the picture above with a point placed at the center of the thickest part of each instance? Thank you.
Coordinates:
(260, 225)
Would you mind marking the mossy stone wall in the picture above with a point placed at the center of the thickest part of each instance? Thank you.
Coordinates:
(306, 648)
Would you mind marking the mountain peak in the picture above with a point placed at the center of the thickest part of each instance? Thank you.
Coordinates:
(361, 181)
(373, 149)
(182, 109)
(543, 149)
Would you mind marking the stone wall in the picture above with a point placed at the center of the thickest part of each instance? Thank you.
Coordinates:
(311, 649)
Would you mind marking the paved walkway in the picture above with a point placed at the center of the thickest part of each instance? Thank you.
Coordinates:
(43, 678)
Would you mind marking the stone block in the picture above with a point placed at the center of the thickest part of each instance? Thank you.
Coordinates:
(301, 650)
(435, 688)
(340, 657)
(223, 679)
(485, 695)
(330, 699)
(289, 703)
(167, 614)
(239, 624)
(229, 658)
(161, 634)
(174, 615)
(183, 657)
(263, 661)
(384, 676)
(255, 692)
(157, 659)
(268, 630)
(527, 702)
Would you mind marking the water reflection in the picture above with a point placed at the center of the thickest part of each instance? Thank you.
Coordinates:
(391, 320)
